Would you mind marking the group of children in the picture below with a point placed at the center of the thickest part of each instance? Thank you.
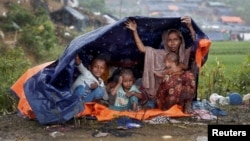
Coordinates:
(120, 90)
(89, 86)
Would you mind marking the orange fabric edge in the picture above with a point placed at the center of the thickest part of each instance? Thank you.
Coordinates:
(17, 87)
(202, 50)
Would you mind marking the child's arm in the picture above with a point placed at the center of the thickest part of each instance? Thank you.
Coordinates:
(158, 74)
(78, 61)
(133, 93)
(82, 69)
(177, 71)
(115, 89)
(94, 85)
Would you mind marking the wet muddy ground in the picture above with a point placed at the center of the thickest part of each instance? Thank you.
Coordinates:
(16, 128)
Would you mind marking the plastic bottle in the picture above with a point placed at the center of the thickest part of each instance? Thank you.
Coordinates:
(133, 125)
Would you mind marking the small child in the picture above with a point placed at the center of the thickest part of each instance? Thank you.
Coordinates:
(177, 86)
(126, 92)
(89, 85)
(172, 66)
(110, 85)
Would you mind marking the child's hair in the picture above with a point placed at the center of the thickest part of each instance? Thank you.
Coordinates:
(101, 58)
(127, 72)
(173, 57)
(115, 76)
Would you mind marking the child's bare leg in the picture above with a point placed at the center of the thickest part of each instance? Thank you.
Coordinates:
(134, 107)
(188, 107)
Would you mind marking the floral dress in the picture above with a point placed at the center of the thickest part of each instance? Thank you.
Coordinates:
(176, 89)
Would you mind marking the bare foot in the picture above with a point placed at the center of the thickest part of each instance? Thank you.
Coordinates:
(188, 108)
(188, 111)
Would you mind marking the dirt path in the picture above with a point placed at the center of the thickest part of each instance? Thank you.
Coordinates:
(15, 128)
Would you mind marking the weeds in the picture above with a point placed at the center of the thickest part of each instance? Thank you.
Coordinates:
(214, 80)
(13, 64)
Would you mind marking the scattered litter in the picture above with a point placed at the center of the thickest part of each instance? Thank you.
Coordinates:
(121, 128)
(114, 132)
(60, 128)
(216, 98)
(246, 99)
(56, 134)
(218, 112)
(133, 125)
(158, 120)
(174, 121)
(166, 137)
(90, 117)
(128, 123)
(99, 134)
(204, 115)
(235, 99)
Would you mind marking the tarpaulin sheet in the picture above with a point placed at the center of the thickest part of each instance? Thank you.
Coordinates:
(48, 90)
(103, 113)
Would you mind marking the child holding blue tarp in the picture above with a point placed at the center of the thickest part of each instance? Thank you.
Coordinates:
(89, 85)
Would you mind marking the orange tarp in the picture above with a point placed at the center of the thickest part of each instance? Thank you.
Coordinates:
(103, 113)
(202, 50)
(17, 87)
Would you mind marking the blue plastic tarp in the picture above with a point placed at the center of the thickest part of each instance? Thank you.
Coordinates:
(48, 91)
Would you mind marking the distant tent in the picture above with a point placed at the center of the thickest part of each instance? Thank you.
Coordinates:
(47, 89)
(216, 4)
(231, 19)
(173, 7)
(70, 17)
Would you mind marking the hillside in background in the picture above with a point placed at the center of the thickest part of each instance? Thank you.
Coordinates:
(220, 19)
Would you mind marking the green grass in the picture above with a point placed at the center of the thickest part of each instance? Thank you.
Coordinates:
(224, 69)
(230, 47)
(230, 54)
(231, 62)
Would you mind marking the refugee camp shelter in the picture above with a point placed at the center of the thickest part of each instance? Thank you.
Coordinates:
(231, 19)
(44, 91)
(69, 16)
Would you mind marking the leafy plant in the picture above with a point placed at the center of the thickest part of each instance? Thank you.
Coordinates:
(13, 64)
(17, 18)
(38, 37)
(212, 80)
(36, 30)
(241, 81)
